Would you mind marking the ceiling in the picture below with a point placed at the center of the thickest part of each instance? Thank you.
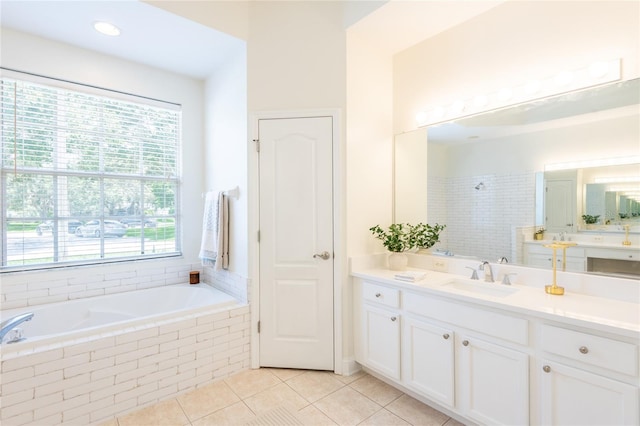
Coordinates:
(160, 39)
(149, 35)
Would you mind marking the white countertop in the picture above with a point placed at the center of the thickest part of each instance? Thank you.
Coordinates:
(608, 315)
(592, 244)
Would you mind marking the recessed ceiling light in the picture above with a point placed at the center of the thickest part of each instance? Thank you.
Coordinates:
(106, 28)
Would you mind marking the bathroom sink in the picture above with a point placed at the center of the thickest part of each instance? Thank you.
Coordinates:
(480, 287)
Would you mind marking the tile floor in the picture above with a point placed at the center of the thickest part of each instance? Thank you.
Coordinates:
(313, 397)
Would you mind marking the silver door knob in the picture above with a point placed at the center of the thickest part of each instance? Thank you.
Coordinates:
(445, 336)
(583, 350)
(324, 255)
(546, 369)
(465, 343)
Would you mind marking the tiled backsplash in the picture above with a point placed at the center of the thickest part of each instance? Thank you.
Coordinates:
(21, 289)
(483, 221)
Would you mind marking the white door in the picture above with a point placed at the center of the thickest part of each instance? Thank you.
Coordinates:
(296, 243)
(560, 205)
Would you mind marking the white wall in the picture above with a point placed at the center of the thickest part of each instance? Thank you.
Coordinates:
(510, 44)
(225, 159)
(50, 58)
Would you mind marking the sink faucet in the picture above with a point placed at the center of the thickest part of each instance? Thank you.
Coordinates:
(488, 273)
(11, 323)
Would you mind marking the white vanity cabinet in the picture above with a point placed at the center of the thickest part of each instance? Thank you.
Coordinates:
(587, 379)
(458, 355)
(381, 329)
(537, 255)
(492, 363)
(428, 359)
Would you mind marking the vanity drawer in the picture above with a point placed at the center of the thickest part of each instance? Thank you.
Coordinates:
(381, 295)
(626, 254)
(599, 351)
(502, 326)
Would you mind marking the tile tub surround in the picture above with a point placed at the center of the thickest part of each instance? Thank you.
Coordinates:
(312, 397)
(29, 288)
(89, 381)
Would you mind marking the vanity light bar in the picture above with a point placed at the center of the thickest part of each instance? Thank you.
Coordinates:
(620, 179)
(592, 163)
(595, 74)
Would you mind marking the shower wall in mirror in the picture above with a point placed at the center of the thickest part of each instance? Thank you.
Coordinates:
(482, 170)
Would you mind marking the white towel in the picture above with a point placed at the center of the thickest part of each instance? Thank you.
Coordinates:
(410, 276)
(214, 248)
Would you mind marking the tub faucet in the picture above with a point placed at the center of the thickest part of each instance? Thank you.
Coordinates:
(11, 323)
(488, 273)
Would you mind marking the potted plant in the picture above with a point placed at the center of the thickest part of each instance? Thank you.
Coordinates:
(397, 239)
(539, 234)
(589, 219)
(424, 236)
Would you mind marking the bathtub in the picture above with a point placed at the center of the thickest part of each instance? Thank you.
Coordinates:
(89, 360)
(82, 317)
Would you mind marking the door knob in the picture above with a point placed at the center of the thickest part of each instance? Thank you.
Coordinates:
(324, 255)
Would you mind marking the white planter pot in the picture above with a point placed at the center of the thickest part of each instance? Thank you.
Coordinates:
(398, 261)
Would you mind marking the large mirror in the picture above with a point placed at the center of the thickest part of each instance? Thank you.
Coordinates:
(487, 177)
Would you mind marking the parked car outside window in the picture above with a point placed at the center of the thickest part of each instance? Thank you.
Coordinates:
(93, 229)
(44, 227)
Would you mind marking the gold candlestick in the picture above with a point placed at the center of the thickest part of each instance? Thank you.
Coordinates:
(554, 288)
(626, 241)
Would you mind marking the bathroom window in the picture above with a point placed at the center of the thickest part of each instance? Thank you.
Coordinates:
(87, 176)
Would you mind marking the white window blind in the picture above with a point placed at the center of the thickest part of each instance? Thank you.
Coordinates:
(86, 178)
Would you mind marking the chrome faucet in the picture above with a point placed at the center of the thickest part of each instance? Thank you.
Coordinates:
(11, 323)
(488, 273)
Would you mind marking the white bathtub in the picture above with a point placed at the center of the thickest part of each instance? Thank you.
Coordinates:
(87, 361)
(82, 317)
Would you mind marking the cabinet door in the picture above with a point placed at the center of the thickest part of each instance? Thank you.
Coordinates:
(382, 341)
(575, 397)
(493, 382)
(428, 360)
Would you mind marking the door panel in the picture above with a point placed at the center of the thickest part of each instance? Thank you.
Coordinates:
(296, 223)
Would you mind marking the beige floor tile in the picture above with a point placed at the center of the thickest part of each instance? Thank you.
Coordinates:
(453, 422)
(164, 413)
(279, 395)
(233, 415)
(415, 412)
(251, 382)
(352, 378)
(347, 407)
(375, 389)
(207, 400)
(384, 418)
(285, 374)
(314, 385)
(311, 416)
(112, 422)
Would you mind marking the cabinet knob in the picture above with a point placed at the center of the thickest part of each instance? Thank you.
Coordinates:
(394, 318)
(445, 336)
(465, 343)
(378, 295)
(584, 350)
(546, 369)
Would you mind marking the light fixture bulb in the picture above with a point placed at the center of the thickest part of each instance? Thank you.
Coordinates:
(480, 101)
(505, 94)
(598, 69)
(532, 86)
(563, 79)
(457, 107)
(106, 28)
